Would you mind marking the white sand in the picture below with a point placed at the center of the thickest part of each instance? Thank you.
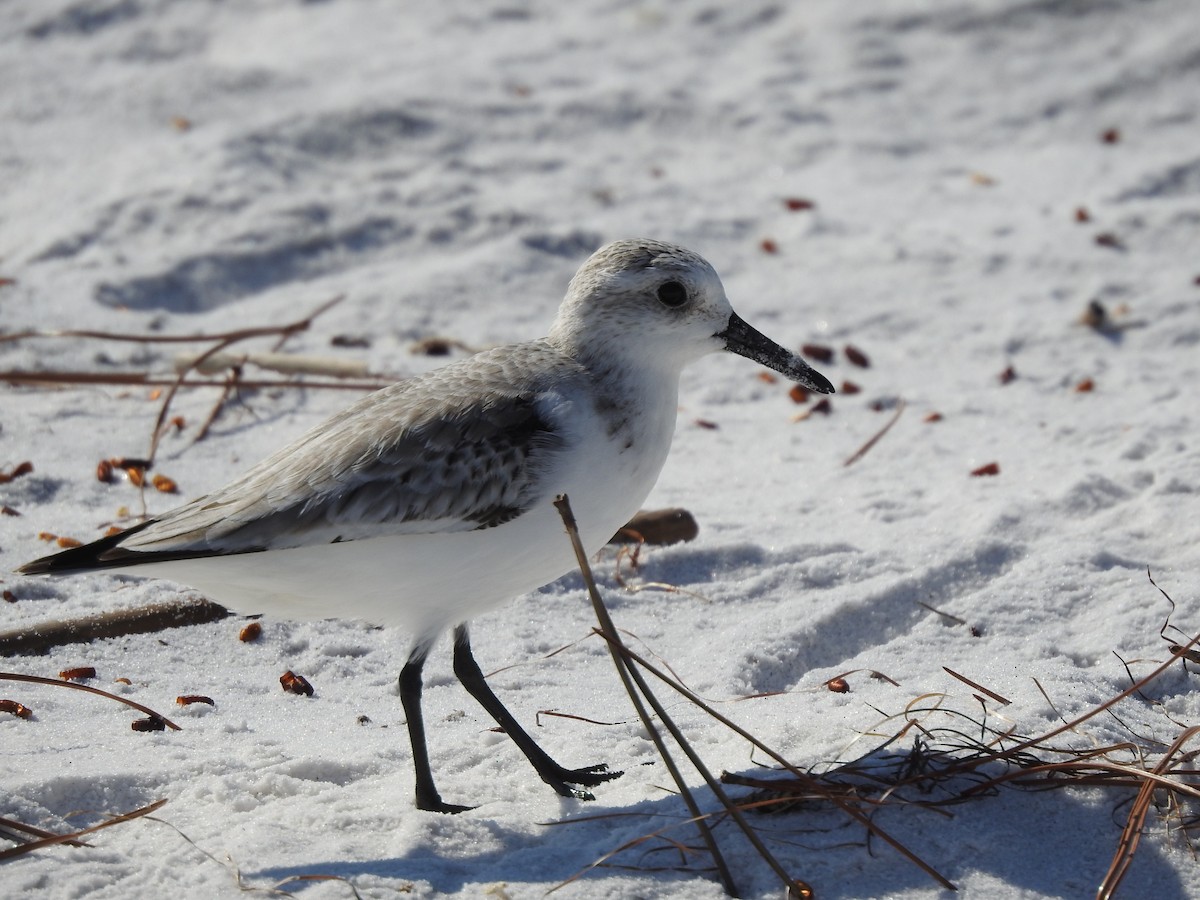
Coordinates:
(447, 167)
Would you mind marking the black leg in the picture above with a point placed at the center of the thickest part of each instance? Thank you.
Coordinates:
(410, 698)
(552, 773)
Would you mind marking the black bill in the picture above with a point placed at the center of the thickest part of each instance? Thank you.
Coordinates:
(746, 341)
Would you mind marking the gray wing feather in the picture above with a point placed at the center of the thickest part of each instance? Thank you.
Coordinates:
(467, 446)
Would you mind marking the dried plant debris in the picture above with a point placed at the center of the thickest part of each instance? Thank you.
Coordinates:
(856, 357)
(658, 527)
(87, 689)
(295, 684)
(818, 352)
(189, 699)
(79, 673)
(798, 204)
(20, 710)
(41, 636)
(439, 346)
(23, 468)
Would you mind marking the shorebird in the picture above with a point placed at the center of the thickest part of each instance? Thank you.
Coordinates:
(430, 500)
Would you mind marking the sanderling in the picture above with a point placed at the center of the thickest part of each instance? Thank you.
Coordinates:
(430, 500)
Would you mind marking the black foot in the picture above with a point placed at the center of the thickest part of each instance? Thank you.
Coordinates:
(435, 803)
(561, 779)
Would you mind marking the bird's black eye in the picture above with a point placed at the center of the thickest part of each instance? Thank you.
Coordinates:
(672, 294)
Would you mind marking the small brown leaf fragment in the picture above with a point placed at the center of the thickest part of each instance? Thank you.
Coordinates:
(432, 347)
(705, 423)
(113, 529)
(768, 246)
(136, 475)
(849, 387)
(18, 470)
(982, 179)
(768, 377)
(437, 346)
(79, 673)
(857, 357)
(68, 542)
(1085, 387)
(798, 393)
(150, 723)
(178, 423)
(17, 709)
(1110, 240)
(295, 684)
(818, 352)
(189, 699)
(1082, 215)
(1111, 135)
(797, 204)
(164, 485)
(1008, 376)
(155, 394)
(104, 471)
(122, 680)
(8, 511)
(47, 536)
(988, 469)
(9, 596)
(838, 685)
(251, 632)
(932, 417)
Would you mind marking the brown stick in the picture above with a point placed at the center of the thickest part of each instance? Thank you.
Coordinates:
(19, 377)
(862, 451)
(155, 617)
(76, 686)
(75, 835)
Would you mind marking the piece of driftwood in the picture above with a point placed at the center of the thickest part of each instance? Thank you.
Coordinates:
(658, 526)
(155, 617)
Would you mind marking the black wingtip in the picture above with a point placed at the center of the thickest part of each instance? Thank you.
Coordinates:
(96, 555)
